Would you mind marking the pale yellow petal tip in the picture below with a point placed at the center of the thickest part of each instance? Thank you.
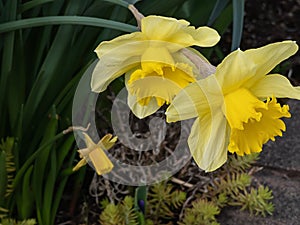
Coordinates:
(169, 120)
(213, 168)
(293, 46)
(108, 138)
(96, 89)
(170, 117)
(294, 43)
(107, 142)
(114, 139)
(80, 164)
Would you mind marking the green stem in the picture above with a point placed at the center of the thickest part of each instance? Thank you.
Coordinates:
(140, 202)
(59, 20)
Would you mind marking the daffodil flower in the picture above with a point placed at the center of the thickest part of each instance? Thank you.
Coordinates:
(155, 67)
(94, 154)
(236, 108)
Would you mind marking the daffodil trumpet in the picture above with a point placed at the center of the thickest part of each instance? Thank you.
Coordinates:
(236, 107)
(154, 51)
(95, 155)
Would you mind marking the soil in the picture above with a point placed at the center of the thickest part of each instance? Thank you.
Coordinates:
(268, 21)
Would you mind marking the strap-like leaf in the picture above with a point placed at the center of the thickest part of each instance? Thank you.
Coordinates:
(238, 21)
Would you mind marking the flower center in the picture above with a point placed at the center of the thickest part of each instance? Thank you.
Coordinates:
(253, 122)
(159, 81)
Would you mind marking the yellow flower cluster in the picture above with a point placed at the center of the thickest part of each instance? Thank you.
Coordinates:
(234, 104)
(236, 107)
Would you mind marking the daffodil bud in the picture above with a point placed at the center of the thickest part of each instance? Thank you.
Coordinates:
(94, 154)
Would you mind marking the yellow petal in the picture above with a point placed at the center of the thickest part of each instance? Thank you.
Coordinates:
(142, 111)
(84, 152)
(234, 71)
(163, 87)
(208, 141)
(100, 161)
(181, 74)
(241, 106)
(154, 86)
(104, 74)
(161, 28)
(116, 62)
(267, 57)
(275, 85)
(107, 142)
(188, 103)
(106, 47)
(256, 133)
(80, 164)
(154, 58)
(244, 69)
(88, 141)
(202, 36)
(178, 31)
(195, 100)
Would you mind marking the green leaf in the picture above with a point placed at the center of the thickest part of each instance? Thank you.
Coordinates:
(159, 7)
(16, 83)
(217, 10)
(31, 159)
(63, 151)
(140, 203)
(119, 2)
(44, 173)
(34, 3)
(59, 20)
(26, 205)
(9, 13)
(49, 188)
(238, 21)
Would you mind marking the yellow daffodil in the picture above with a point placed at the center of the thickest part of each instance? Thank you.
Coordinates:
(155, 67)
(236, 108)
(94, 154)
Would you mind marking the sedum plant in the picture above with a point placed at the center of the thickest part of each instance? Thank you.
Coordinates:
(13, 222)
(202, 212)
(124, 213)
(166, 203)
(163, 202)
